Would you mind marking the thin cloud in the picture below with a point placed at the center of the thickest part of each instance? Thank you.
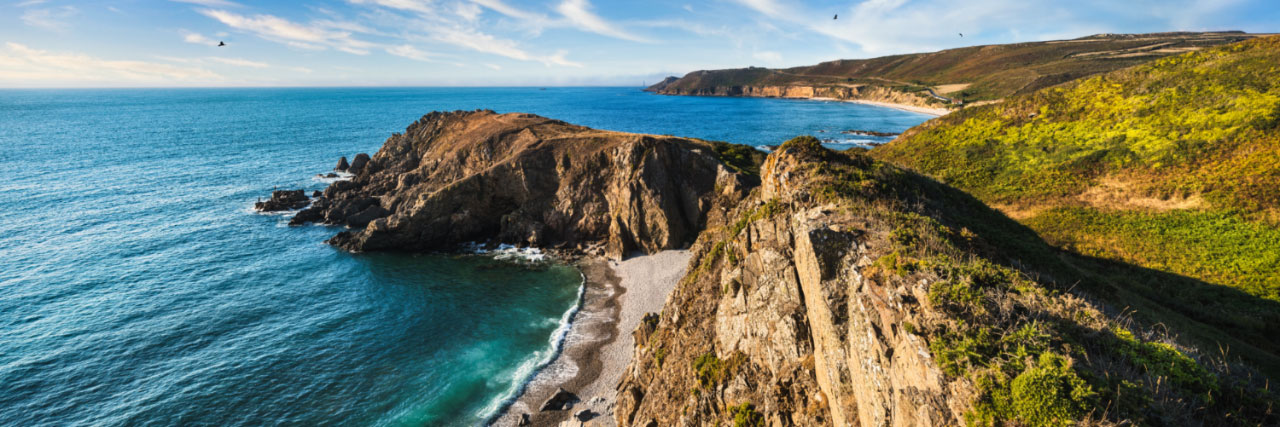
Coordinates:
(408, 51)
(197, 38)
(19, 63)
(240, 62)
(210, 3)
(281, 30)
(53, 19)
(579, 14)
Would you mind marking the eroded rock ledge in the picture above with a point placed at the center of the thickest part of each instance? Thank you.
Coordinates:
(519, 178)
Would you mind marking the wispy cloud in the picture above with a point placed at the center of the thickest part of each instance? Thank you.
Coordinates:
(19, 63)
(53, 19)
(197, 38)
(270, 27)
(408, 51)
(210, 3)
(240, 62)
(579, 14)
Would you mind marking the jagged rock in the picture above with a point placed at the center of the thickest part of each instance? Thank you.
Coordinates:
(283, 200)
(358, 163)
(342, 165)
(460, 177)
(316, 193)
(559, 401)
(523, 420)
(584, 415)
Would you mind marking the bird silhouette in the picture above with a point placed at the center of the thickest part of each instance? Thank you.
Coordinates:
(961, 34)
(221, 44)
(837, 16)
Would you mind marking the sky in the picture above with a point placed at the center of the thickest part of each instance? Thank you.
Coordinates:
(173, 43)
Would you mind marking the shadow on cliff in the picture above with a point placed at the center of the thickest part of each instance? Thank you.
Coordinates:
(1207, 315)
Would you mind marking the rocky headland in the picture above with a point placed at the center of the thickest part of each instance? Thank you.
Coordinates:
(822, 287)
(480, 176)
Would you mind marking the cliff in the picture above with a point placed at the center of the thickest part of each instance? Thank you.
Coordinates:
(962, 75)
(844, 291)
(480, 176)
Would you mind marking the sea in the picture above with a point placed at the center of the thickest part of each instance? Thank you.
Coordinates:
(139, 287)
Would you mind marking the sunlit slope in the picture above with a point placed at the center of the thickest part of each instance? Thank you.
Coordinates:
(1173, 165)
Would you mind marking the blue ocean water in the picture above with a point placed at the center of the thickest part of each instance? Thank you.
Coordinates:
(138, 287)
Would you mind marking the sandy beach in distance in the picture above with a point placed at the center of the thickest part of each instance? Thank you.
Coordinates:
(599, 343)
(903, 107)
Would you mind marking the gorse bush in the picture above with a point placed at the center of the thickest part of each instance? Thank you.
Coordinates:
(1051, 394)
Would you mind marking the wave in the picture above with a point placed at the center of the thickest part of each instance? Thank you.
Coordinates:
(527, 371)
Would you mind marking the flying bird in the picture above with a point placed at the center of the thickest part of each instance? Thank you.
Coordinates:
(961, 34)
(837, 16)
(221, 44)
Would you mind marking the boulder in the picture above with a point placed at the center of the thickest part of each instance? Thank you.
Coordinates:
(342, 165)
(523, 420)
(358, 163)
(584, 415)
(559, 401)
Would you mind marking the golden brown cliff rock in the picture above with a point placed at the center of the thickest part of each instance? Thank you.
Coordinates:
(519, 178)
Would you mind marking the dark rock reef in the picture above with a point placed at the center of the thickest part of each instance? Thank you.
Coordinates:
(460, 177)
(283, 200)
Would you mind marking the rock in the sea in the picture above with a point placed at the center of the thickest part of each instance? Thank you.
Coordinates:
(480, 176)
(559, 401)
(316, 193)
(283, 200)
(358, 163)
(342, 165)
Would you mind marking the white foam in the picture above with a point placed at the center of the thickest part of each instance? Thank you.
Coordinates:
(527, 372)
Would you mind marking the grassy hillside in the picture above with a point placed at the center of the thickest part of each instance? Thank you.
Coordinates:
(971, 73)
(1172, 166)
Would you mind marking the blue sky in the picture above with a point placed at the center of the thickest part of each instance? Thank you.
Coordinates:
(52, 43)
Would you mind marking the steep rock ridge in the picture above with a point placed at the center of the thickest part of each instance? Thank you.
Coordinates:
(520, 178)
(844, 291)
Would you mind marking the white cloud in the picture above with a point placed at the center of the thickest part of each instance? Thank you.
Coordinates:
(408, 51)
(240, 62)
(210, 3)
(767, 56)
(579, 14)
(53, 19)
(311, 37)
(20, 64)
(197, 38)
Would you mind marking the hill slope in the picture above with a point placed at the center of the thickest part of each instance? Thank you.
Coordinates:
(1173, 166)
(965, 74)
(845, 291)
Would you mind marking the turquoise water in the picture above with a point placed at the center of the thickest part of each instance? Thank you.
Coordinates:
(138, 287)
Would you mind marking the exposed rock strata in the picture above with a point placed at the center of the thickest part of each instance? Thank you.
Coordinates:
(519, 178)
(844, 93)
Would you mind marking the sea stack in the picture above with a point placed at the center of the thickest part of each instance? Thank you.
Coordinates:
(358, 162)
(342, 165)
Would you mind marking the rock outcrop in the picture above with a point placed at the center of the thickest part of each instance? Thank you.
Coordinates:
(519, 178)
(358, 163)
(283, 200)
(841, 92)
(342, 165)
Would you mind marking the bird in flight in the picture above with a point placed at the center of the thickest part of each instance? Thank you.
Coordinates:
(961, 34)
(221, 44)
(837, 16)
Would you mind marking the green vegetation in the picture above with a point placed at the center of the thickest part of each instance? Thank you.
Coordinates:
(1038, 355)
(1051, 394)
(708, 369)
(1162, 184)
(742, 158)
(745, 415)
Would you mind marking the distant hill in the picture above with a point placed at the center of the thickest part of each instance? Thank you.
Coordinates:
(969, 74)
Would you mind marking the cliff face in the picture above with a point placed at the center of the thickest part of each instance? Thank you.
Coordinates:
(841, 92)
(844, 291)
(519, 178)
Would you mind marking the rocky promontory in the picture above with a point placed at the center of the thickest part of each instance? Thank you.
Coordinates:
(479, 176)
